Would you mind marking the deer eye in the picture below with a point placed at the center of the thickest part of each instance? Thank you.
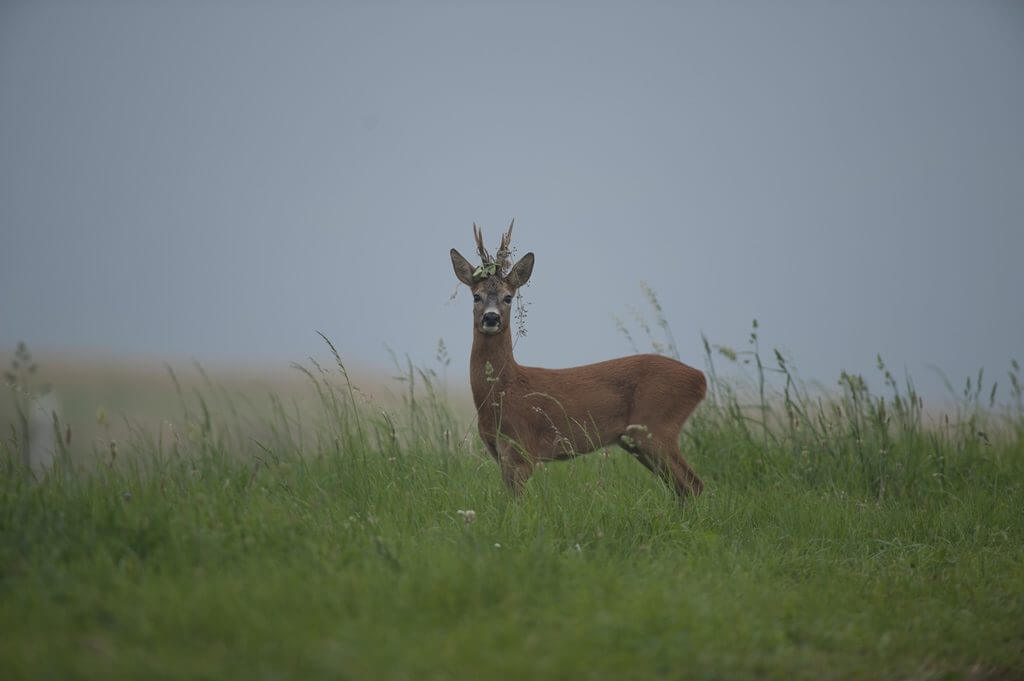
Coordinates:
(477, 298)
(508, 300)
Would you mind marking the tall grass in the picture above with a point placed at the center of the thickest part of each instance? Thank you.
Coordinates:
(842, 534)
(875, 445)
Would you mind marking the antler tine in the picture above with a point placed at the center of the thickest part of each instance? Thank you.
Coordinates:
(480, 248)
(504, 249)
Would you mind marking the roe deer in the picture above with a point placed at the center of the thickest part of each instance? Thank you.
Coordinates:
(529, 415)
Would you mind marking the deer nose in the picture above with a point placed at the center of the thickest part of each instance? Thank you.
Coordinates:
(491, 318)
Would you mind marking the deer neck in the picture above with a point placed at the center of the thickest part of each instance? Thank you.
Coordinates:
(491, 365)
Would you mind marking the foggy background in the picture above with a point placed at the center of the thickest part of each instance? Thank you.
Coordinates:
(218, 180)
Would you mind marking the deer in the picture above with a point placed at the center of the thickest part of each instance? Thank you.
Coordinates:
(530, 415)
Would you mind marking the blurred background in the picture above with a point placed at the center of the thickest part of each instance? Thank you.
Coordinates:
(216, 181)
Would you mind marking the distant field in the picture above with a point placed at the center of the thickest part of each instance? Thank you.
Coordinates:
(318, 534)
(104, 399)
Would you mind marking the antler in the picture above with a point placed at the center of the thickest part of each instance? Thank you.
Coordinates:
(504, 250)
(500, 262)
(480, 248)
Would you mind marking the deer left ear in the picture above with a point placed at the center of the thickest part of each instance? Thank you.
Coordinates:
(520, 272)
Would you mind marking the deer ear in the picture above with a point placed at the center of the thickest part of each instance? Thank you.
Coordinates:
(463, 270)
(520, 272)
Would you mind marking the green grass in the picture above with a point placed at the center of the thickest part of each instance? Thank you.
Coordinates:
(850, 538)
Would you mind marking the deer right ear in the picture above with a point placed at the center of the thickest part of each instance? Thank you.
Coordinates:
(463, 270)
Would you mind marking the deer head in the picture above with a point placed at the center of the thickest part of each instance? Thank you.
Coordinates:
(493, 283)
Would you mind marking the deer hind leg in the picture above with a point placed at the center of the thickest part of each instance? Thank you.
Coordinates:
(661, 456)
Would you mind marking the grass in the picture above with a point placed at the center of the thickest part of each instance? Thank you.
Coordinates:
(853, 536)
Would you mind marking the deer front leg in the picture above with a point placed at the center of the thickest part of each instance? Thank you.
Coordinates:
(516, 466)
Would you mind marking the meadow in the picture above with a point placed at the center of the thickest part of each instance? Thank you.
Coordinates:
(843, 534)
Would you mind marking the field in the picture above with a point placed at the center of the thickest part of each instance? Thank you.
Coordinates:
(849, 535)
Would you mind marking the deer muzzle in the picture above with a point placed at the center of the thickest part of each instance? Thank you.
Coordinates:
(490, 321)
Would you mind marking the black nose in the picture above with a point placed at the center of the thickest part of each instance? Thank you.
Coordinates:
(491, 319)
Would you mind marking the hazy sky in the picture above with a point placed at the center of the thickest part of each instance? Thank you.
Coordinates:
(217, 180)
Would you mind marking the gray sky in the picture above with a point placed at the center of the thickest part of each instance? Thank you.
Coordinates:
(217, 180)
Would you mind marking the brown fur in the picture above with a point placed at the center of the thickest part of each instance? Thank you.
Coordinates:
(529, 414)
